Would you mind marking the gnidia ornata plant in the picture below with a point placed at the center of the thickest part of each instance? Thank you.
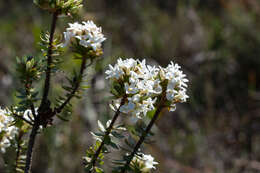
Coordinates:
(36, 111)
(173, 85)
(138, 90)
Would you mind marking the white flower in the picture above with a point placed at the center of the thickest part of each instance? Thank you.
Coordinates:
(88, 34)
(170, 94)
(143, 84)
(149, 162)
(135, 98)
(181, 96)
(115, 105)
(7, 129)
(172, 107)
(157, 87)
(146, 87)
(176, 88)
(145, 162)
(131, 89)
(148, 105)
(128, 107)
(126, 65)
(152, 72)
(134, 77)
(114, 72)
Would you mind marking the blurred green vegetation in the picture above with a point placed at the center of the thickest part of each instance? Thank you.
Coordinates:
(215, 41)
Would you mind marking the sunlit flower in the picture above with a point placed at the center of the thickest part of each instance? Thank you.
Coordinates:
(131, 89)
(143, 84)
(128, 107)
(114, 72)
(87, 33)
(145, 162)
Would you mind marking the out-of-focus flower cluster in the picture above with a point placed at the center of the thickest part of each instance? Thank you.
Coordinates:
(144, 162)
(87, 34)
(7, 129)
(66, 7)
(144, 85)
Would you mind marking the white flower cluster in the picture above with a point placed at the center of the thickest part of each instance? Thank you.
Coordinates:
(176, 85)
(145, 162)
(88, 35)
(7, 130)
(144, 84)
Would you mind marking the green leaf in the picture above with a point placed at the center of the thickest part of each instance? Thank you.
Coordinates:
(113, 145)
(99, 170)
(88, 168)
(85, 87)
(117, 135)
(101, 126)
(150, 114)
(130, 142)
(107, 140)
(99, 134)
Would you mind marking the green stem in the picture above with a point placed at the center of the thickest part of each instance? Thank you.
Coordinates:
(108, 131)
(76, 87)
(144, 134)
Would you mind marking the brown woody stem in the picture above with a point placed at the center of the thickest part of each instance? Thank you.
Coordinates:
(49, 61)
(37, 121)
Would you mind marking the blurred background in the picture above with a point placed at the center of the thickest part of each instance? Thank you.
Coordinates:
(216, 42)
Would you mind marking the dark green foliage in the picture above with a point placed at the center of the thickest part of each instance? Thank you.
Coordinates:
(29, 70)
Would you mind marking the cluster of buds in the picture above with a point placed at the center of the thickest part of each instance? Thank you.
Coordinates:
(7, 130)
(87, 35)
(144, 163)
(67, 7)
(144, 85)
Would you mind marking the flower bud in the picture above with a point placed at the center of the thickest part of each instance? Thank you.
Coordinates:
(144, 162)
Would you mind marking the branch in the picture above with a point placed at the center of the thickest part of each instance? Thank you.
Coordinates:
(144, 134)
(37, 119)
(49, 61)
(33, 111)
(108, 131)
(76, 87)
(30, 146)
(22, 118)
